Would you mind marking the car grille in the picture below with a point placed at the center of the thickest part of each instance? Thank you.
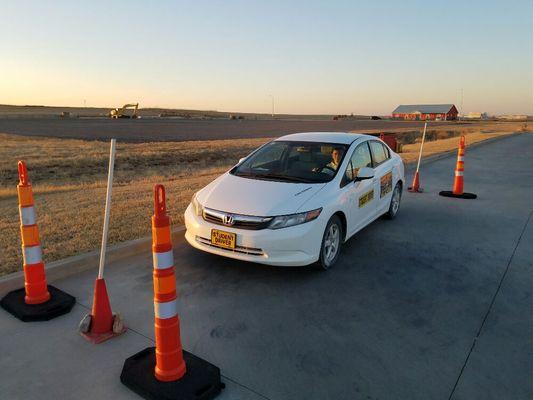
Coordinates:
(252, 251)
(236, 220)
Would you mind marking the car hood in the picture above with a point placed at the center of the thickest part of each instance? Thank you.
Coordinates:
(262, 198)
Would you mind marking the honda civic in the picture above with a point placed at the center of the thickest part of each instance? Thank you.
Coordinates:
(295, 200)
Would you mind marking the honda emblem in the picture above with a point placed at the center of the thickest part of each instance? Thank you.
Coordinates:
(228, 220)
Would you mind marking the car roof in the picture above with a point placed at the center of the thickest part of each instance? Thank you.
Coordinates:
(326, 137)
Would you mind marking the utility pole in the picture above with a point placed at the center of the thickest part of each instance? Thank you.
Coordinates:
(272, 97)
(462, 100)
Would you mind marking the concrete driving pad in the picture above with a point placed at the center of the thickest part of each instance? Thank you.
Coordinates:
(50, 360)
(433, 305)
(507, 335)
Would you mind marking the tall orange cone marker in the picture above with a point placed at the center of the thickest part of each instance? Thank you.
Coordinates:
(458, 182)
(101, 324)
(415, 187)
(167, 371)
(37, 301)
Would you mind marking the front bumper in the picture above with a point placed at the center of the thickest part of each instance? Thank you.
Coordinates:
(294, 246)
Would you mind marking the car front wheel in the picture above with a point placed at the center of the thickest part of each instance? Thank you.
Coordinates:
(331, 243)
(395, 200)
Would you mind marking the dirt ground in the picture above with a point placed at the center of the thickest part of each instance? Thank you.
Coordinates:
(163, 129)
(69, 178)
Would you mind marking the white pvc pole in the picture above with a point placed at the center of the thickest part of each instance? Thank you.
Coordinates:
(107, 207)
(421, 147)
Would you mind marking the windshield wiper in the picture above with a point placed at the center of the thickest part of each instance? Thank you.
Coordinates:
(282, 177)
(244, 174)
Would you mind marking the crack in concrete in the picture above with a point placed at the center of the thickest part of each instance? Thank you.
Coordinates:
(474, 341)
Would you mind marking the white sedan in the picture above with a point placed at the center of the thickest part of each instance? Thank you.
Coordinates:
(295, 200)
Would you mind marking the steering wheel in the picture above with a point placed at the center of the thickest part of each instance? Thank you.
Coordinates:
(327, 167)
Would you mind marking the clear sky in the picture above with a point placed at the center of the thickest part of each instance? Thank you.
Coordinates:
(312, 56)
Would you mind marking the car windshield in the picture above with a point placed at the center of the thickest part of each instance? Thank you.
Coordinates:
(288, 161)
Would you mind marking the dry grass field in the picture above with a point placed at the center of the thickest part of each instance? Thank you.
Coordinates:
(436, 146)
(69, 178)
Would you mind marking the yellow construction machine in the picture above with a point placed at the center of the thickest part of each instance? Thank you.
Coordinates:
(121, 112)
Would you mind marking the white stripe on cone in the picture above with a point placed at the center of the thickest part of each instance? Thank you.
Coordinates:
(460, 158)
(165, 310)
(32, 255)
(459, 173)
(27, 215)
(163, 260)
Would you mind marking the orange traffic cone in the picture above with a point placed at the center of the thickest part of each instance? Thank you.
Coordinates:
(167, 371)
(458, 182)
(169, 364)
(102, 317)
(34, 276)
(415, 186)
(101, 324)
(36, 292)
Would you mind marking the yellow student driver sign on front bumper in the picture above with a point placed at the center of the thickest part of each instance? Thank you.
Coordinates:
(223, 239)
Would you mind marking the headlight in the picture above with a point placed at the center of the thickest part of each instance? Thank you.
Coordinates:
(285, 221)
(196, 206)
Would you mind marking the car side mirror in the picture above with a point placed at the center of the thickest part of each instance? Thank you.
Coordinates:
(364, 173)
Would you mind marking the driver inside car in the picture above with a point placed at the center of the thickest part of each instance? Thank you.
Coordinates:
(333, 165)
(336, 156)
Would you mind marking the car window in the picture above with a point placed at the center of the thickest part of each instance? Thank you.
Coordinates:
(379, 153)
(360, 158)
(267, 155)
(387, 151)
(291, 161)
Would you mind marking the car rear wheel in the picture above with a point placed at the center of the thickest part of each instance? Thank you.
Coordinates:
(395, 202)
(331, 243)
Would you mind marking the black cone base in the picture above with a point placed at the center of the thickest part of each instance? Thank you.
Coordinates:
(200, 382)
(60, 303)
(447, 193)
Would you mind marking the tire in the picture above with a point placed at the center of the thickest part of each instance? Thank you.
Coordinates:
(395, 201)
(331, 241)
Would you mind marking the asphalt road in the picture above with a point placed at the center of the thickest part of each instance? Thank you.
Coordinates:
(178, 130)
(433, 305)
